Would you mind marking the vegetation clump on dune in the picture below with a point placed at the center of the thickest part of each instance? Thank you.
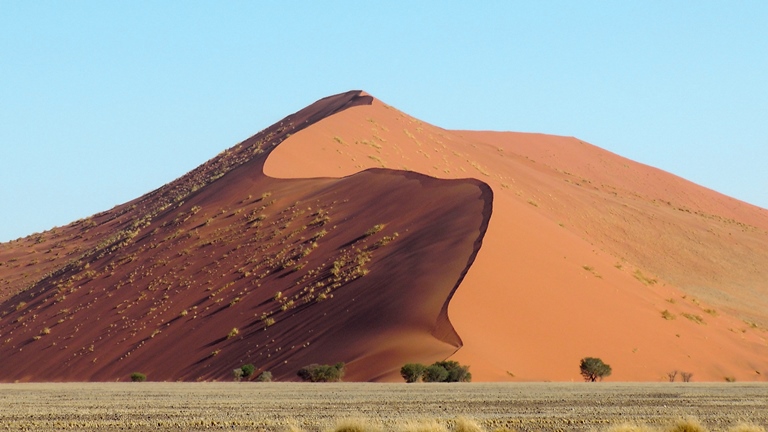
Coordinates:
(442, 371)
(322, 373)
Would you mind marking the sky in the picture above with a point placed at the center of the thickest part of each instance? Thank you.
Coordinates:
(103, 101)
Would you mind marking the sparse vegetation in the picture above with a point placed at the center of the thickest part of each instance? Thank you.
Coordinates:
(322, 373)
(373, 230)
(412, 372)
(695, 318)
(265, 376)
(441, 371)
(138, 377)
(671, 375)
(593, 369)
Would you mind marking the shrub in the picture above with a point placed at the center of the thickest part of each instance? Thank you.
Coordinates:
(441, 371)
(238, 374)
(435, 373)
(265, 376)
(412, 372)
(322, 373)
(248, 370)
(138, 377)
(456, 371)
(593, 368)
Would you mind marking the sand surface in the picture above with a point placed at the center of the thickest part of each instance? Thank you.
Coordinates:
(586, 252)
(350, 231)
(315, 407)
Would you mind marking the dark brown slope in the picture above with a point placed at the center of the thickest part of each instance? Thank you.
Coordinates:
(227, 266)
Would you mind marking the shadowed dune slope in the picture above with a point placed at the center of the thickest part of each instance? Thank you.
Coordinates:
(586, 253)
(227, 266)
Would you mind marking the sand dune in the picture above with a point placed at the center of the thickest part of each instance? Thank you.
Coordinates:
(350, 231)
(583, 254)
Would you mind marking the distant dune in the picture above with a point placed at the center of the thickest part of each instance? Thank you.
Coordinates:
(350, 231)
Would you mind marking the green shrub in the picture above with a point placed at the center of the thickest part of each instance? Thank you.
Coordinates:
(248, 370)
(138, 377)
(322, 373)
(456, 371)
(412, 372)
(441, 371)
(435, 373)
(593, 368)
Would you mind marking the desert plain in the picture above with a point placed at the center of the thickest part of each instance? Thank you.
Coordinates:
(386, 406)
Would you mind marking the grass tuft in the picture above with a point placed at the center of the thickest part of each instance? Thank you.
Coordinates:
(463, 424)
(688, 424)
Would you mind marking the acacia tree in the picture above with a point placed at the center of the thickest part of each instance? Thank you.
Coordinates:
(593, 368)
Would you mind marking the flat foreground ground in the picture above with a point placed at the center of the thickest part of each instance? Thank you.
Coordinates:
(314, 407)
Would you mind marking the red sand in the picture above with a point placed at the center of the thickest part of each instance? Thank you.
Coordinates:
(573, 231)
(561, 250)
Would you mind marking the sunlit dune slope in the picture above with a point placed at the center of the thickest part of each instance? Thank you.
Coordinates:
(586, 253)
(226, 266)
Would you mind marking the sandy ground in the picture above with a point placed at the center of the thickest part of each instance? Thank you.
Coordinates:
(313, 407)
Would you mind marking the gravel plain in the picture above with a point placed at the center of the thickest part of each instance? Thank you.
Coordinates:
(316, 407)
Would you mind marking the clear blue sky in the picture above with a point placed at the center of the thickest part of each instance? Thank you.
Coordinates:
(101, 102)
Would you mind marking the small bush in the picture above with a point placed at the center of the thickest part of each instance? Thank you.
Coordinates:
(322, 373)
(138, 377)
(238, 374)
(456, 371)
(265, 376)
(435, 373)
(248, 370)
(441, 371)
(412, 372)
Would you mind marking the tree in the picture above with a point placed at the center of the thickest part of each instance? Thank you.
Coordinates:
(265, 376)
(412, 372)
(593, 368)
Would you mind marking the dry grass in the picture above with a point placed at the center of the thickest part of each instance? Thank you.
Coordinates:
(360, 407)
